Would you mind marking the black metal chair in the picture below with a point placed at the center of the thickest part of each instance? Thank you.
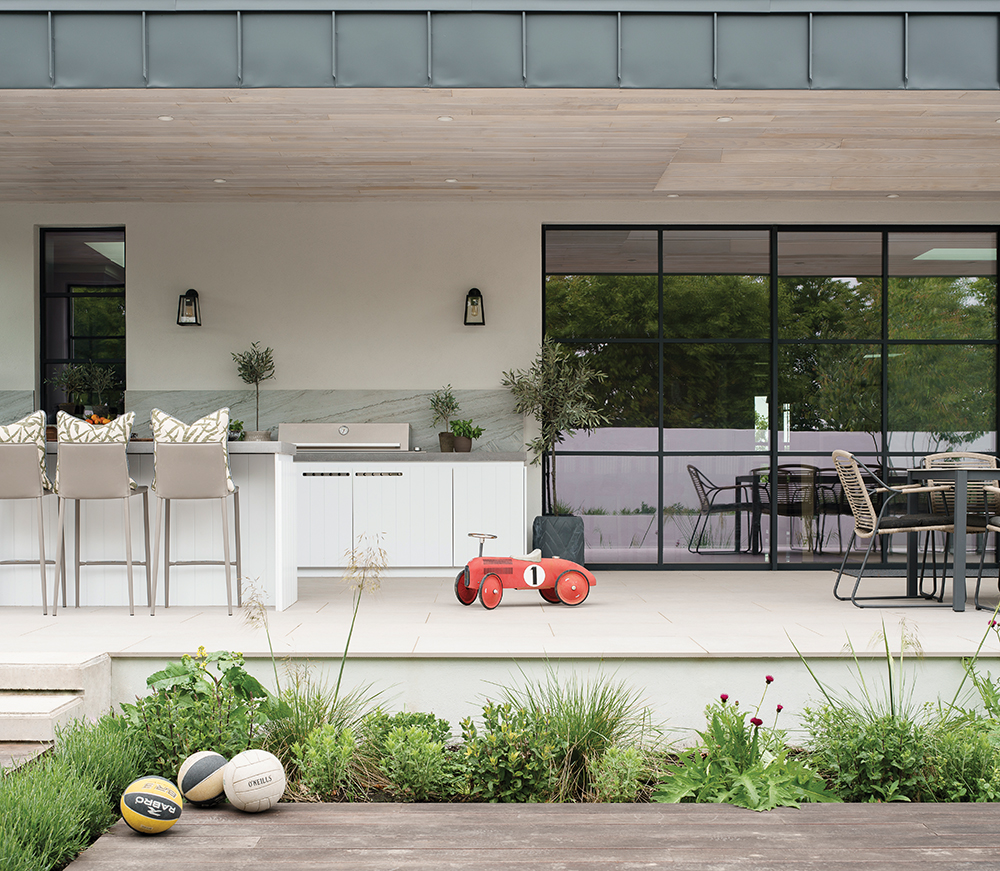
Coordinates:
(708, 504)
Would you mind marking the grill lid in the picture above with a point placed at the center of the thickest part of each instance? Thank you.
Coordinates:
(346, 436)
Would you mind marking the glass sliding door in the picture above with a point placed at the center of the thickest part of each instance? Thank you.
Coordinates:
(739, 358)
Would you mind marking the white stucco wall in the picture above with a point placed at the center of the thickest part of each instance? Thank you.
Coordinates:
(354, 295)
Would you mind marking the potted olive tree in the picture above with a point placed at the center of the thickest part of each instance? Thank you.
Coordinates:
(101, 382)
(444, 405)
(557, 391)
(254, 366)
(71, 380)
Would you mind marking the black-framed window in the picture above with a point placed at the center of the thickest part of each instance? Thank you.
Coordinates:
(751, 352)
(82, 311)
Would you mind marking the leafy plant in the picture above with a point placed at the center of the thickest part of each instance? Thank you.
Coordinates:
(556, 391)
(618, 774)
(508, 760)
(255, 366)
(416, 764)
(236, 433)
(582, 721)
(378, 724)
(465, 429)
(738, 761)
(205, 702)
(99, 380)
(444, 405)
(102, 754)
(324, 761)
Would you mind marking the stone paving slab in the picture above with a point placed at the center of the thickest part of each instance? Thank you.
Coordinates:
(381, 837)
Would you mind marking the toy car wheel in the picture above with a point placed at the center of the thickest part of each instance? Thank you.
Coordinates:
(550, 595)
(572, 587)
(465, 595)
(490, 591)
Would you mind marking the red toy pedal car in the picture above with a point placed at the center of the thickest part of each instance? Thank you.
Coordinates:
(557, 580)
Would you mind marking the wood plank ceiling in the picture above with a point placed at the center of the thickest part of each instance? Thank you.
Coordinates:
(436, 145)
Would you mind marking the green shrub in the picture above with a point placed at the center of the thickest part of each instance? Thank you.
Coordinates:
(306, 705)
(417, 765)
(103, 754)
(966, 764)
(205, 702)
(324, 762)
(618, 775)
(582, 720)
(740, 762)
(509, 760)
(49, 813)
(378, 724)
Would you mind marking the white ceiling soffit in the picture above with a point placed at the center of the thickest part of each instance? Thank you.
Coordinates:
(499, 144)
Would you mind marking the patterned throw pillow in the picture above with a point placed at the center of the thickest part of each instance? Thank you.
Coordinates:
(72, 430)
(29, 430)
(212, 427)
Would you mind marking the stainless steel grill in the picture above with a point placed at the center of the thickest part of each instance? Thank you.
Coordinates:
(334, 437)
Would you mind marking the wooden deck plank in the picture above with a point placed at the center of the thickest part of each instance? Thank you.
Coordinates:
(381, 836)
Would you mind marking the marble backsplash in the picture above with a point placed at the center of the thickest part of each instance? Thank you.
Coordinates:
(15, 404)
(490, 409)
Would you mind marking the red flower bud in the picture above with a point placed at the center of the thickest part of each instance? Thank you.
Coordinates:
(757, 721)
(780, 708)
(724, 697)
(768, 679)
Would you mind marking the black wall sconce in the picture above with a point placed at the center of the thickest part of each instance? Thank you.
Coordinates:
(475, 314)
(189, 309)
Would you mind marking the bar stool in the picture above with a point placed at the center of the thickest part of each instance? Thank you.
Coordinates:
(94, 466)
(22, 477)
(194, 471)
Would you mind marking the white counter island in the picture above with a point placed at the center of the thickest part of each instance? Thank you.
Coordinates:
(262, 471)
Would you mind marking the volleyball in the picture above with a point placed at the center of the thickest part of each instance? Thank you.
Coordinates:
(254, 780)
(200, 778)
(151, 805)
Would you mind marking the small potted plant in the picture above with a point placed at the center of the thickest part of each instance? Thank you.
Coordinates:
(236, 433)
(100, 380)
(464, 433)
(71, 380)
(444, 405)
(254, 366)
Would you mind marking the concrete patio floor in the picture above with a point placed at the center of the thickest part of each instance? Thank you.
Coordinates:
(679, 638)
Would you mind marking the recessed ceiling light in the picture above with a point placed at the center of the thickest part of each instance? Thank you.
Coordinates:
(164, 117)
(452, 180)
(724, 118)
(892, 196)
(672, 196)
(445, 118)
(219, 180)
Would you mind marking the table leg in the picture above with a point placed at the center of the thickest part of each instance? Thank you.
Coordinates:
(958, 544)
(911, 550)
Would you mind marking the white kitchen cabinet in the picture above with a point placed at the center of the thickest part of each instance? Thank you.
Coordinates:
(488, 497)
(325, 510)
(423, 511)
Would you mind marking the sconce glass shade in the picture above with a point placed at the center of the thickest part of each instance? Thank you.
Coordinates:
(189, 310)
(475, 314)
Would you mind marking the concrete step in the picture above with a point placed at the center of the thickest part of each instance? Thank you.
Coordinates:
(34, 716)
(87, 675)
(14, 754)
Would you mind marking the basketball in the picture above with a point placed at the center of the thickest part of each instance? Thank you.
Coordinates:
(151, 805)
(200, 778)
(254, 780)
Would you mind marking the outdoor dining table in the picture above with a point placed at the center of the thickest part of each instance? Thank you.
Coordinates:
(961, 477)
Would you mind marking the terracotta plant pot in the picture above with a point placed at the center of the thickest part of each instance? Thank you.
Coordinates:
(463, 444)
(447, 442)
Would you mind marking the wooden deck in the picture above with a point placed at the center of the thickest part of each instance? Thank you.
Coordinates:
(380, 837)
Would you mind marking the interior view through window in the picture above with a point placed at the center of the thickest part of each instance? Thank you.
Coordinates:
(82, 316)
(738, 359)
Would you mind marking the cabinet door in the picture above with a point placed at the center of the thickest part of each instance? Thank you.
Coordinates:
(489, 497)
(325, 517)
(410, 506)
